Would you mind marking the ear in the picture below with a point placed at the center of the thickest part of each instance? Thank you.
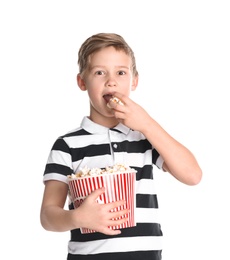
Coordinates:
(81, 82)
(135, 83)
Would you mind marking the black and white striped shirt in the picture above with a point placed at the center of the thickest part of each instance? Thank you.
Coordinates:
(93, 145)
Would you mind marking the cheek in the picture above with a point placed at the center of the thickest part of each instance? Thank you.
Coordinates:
(93, 94)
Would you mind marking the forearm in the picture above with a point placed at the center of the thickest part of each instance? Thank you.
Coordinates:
(54, 218)
(179, 161)
(90, 214)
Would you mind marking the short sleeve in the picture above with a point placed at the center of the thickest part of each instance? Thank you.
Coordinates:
(59, 163)
(157, 159)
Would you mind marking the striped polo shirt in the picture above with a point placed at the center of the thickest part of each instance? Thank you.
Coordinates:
(93, 145)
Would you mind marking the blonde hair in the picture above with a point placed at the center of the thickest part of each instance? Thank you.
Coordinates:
(99, 41)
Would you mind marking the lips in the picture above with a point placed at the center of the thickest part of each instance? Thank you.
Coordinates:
(107, 97)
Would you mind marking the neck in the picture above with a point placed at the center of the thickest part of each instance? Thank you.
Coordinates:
(106, 122)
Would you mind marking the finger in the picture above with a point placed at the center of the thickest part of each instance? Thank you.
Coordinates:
(124, 99)
(119, 213)
(119, 115)
(116, 204)
(113, 226)
(119, 95)
(96, 193)
(110, 232)
(117, 222)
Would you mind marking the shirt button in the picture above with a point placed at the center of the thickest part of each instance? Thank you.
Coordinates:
(115, 146)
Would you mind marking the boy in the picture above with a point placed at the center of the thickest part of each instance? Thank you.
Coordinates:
(113, 132)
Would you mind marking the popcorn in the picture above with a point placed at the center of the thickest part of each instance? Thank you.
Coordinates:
(119, 182)
(117, 100)
(86, 171)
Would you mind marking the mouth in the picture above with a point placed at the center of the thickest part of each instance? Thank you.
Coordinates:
(107, 97)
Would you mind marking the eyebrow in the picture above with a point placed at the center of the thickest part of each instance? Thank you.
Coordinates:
(101, 66)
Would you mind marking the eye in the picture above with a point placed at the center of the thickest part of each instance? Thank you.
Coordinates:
(99, 72)
(121, 72)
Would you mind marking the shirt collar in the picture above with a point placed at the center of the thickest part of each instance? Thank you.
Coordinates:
(95, 128)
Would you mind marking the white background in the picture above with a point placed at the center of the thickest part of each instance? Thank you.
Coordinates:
(183, 58)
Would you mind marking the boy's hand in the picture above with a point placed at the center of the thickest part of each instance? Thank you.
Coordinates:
(99, 217)
(129, 113)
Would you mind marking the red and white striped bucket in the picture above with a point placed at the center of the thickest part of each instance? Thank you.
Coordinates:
(118, 186)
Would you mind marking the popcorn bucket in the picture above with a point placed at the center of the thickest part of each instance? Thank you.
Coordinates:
(118, 186)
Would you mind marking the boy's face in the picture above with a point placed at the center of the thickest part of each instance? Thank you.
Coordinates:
(109, 72)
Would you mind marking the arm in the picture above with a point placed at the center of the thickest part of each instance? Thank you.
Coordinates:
(178, 160)
(90, 214)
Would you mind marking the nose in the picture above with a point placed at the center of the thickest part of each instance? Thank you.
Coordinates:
(111, 82)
